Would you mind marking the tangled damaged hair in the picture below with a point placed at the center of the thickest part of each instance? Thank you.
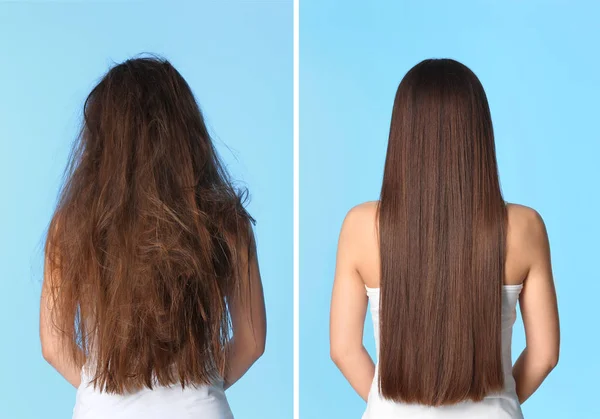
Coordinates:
(149, 240)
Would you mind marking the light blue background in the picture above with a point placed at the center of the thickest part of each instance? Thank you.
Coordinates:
(237, 57)
(539, 64)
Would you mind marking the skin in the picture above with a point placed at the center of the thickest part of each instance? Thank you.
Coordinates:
(53, 342)
(249, 326)
(527, 263)
(247, 317)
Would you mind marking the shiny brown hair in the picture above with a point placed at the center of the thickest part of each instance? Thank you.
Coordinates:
(148, 241)
(442, 222)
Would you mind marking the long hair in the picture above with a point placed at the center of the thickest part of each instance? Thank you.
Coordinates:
(144, 247)
(442, 222)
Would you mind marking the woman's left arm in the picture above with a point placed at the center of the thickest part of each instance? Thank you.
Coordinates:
(54, 342)
(348, 310)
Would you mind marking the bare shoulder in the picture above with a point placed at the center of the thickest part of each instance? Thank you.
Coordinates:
(362, 217)
(360, 224)
(525, 225)
(527, 239)
(364, 210)
(358, 245)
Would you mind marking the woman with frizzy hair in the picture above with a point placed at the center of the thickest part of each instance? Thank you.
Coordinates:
(152, 302)
(442, 261)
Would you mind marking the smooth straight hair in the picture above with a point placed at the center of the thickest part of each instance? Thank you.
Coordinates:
(150, 239)
(442, 227)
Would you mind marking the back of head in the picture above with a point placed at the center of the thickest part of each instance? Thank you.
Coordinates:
(144, 242)
(442, 233)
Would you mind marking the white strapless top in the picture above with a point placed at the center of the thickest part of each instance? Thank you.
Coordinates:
(206, 402)
(502, 405)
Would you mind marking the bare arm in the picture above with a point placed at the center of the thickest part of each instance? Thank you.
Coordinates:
(52, 340)
(540, 316)
(248, 319)
(348, 309)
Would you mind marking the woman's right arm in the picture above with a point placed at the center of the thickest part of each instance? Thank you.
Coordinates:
(248, 319)
(539, 312)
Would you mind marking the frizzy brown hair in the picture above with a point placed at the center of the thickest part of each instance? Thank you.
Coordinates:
(442, 222)
(148, 241)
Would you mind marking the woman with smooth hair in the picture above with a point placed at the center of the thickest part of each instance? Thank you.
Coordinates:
(442, 261)
(152, 303)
